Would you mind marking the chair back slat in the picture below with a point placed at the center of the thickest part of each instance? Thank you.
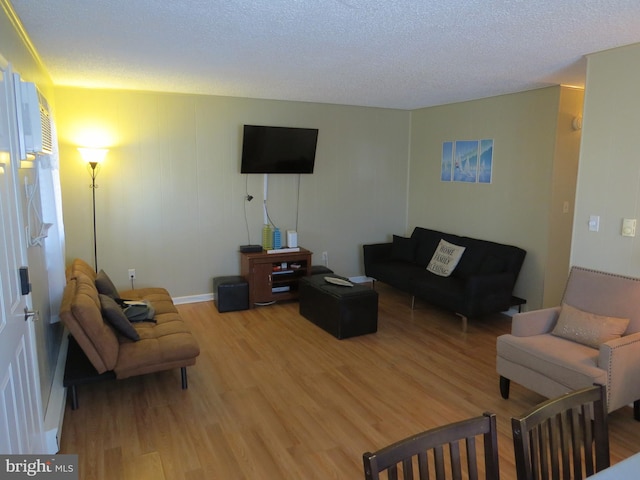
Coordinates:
(449, 451)
(472, 459)
(564, 438)
(456, 466)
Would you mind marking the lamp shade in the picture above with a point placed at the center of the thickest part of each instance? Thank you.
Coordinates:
(93, 155)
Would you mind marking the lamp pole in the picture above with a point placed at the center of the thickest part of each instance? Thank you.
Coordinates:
(94, 173)
(93, 157)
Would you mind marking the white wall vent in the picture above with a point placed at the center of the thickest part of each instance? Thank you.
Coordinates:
(34, 119)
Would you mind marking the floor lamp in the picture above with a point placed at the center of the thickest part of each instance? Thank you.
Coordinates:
(93, 157)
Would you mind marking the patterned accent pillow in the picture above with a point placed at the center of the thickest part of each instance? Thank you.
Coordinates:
(588, 328)
(445, 258)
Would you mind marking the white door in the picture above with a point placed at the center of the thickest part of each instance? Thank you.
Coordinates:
(21, 418)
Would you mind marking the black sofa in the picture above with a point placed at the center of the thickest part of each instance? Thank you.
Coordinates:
(481, 283)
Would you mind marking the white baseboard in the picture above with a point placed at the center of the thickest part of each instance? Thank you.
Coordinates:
(54, 416)
(205, 297)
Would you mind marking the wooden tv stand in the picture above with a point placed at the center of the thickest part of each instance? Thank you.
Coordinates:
(274, 276)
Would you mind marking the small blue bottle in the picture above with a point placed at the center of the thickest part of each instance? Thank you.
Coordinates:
(277, 240)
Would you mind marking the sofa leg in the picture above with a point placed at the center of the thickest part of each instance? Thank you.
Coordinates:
(505, 383)
(183, 374)
(636, 410)
(464, 322)
(74, 397)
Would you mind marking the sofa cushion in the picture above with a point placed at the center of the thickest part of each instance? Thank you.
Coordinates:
(80, 266)
(163, 345)
(105, 286)
(403, 248)
(588, 328)
(445, 258)
(117, 318)
(80, 312)
(492, 264)
(426, 243)
(569, 363)
(398, 274)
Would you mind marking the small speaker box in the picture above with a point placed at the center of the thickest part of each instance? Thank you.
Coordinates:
(292, 238)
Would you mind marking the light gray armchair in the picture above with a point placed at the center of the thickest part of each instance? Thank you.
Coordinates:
(553, 358)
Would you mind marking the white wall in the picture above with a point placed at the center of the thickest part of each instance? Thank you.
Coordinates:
(609, 172)
(171, 201)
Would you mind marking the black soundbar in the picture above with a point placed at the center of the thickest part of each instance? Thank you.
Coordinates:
(250, 248)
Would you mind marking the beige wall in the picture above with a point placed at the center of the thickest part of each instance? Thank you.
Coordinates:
(171, 201)
(563, 192)
(516, 207)
(609, 172)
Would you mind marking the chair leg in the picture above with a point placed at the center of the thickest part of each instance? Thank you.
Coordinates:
(505, 383)
(183, 374)
(636, 410)
(413, 302)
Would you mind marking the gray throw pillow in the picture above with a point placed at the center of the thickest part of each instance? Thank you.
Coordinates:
(113, 313)
(105, 286)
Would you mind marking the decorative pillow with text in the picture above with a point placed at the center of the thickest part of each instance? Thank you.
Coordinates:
(445, 258)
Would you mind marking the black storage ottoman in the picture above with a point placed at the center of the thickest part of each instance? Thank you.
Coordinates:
(231, 293)
(320, 270)
(342, 311)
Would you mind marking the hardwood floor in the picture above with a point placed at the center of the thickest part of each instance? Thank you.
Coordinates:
(272, 396)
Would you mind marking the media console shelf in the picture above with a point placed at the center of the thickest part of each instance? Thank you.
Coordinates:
(274, 276)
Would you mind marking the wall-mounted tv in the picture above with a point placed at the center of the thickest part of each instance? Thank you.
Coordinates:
(278, 149)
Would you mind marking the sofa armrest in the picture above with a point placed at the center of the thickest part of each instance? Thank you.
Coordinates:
(536, 322)
(621, 359)
(376, 252)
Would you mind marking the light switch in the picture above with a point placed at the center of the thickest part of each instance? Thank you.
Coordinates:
(628, 227)
(594, 223)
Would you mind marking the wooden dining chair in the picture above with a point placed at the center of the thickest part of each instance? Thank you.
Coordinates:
(563, 438)
(425, 453)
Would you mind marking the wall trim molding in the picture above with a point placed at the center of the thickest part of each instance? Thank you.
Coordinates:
(205, 297)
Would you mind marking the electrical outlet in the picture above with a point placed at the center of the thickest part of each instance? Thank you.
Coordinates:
(132, 274)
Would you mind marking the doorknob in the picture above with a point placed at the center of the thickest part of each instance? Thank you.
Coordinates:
(30, 313)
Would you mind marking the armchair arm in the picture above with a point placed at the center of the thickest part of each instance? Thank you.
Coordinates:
(621, 359)
(536, 322)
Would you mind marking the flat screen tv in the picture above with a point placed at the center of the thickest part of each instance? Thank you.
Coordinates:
(278, 149)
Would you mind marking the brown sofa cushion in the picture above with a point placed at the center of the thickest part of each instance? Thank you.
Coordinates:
(162, 345)
(80, 266)
(82, 315)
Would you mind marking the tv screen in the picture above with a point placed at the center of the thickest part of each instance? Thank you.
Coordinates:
(278, 149)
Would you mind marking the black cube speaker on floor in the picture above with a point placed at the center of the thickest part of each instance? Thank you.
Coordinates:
(231, 293)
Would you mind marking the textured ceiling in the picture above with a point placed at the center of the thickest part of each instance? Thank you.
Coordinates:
(385, 53)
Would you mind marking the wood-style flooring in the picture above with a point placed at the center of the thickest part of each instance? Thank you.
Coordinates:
(272, 396)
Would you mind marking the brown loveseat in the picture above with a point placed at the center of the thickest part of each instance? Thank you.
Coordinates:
(163, 343)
